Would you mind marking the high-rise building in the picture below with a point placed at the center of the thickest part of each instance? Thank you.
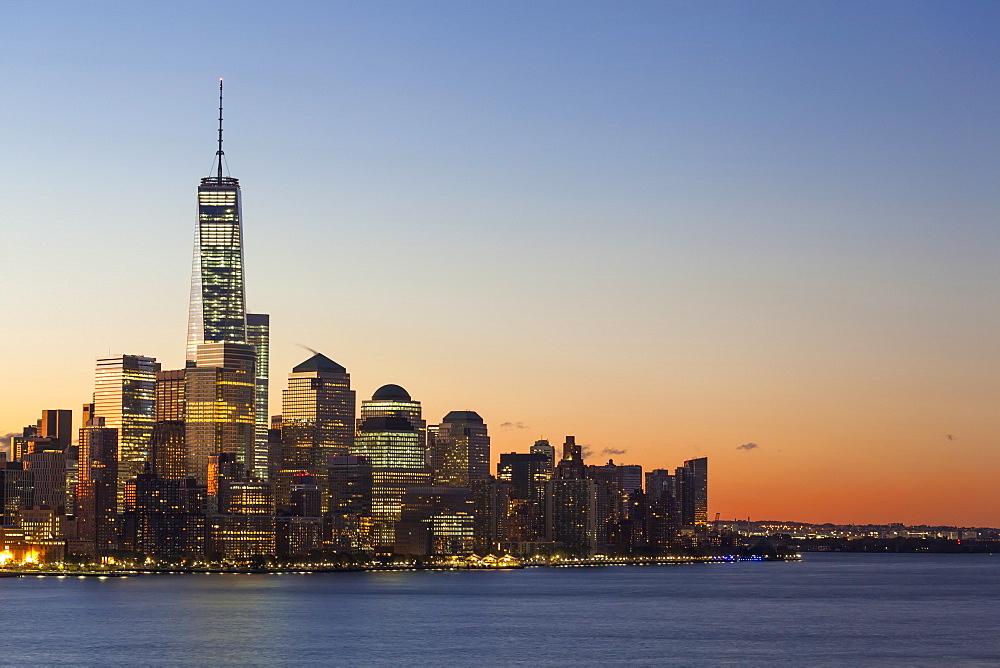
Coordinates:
(392, 448)
(349, 516)
(96, 495)
(16, 491)
(57, 425)
(124, 395)
(258, 335)
(394, 401)
(317, 420)
(571, 466)
(218, 299)
(693, 482)
(460, 451)
(219, 406)
(546, 449)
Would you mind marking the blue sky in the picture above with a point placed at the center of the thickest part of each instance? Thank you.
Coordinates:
(730, 222)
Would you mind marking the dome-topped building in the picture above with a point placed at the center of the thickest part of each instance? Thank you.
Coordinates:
(391, 393)
(392, 401)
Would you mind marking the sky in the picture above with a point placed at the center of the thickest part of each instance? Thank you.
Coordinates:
(765, 233)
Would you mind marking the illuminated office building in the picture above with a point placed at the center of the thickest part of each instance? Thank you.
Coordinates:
(219, 406)
(692, 481)
(394, 401)
(16, 491)
(167, 451)
(96, 489)
(258, 335)
(392, 447)
(124, 395)
(546, 449)
(317, 421)
(218, 300)
(460, 450)
(349, 516)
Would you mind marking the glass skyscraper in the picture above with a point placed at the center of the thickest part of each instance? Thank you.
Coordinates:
(124, 397)
(218, 300)
(218, 293)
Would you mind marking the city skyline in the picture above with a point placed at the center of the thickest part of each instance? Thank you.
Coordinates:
(660, 310)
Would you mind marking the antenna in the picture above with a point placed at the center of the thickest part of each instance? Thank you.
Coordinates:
(220, 153)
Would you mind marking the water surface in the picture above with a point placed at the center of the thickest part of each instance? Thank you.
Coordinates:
(827, 609)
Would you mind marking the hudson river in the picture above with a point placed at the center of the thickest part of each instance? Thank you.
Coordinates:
(829, 609)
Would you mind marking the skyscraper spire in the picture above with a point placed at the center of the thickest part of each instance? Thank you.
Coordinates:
(220, 154)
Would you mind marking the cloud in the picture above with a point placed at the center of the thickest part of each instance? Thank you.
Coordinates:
(513, 425)
(747, 446)
(613, 451)
(5, 441)
(585, 451)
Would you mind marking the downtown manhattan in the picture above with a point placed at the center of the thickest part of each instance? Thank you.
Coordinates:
(189, 466)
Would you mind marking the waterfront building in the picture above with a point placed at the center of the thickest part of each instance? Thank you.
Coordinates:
(435, 520)
(41, 523)
(349, 518)
(460, 450)
(391, 446)
(96, 499)
(169, 518)
(663, 518)
(124, 396)
(571, 514)
(317, 421)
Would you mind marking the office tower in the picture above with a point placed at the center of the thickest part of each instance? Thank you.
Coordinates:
(244, 525)
(435, 521)
(524, 471)
(571, 465)
(571, 514)
(219, 406)
(167, 450)
(317, 420)
(96, 491)
(169, 519)
(57, 425)
(350, 504)
(124, 395)
(663, 515)
(693, 483)
(491, 508)
(392, 448)
(394, 401)
(218, 300)
(16, 491)
(258, 335)
(460, 452)
(544, 448)
(48, 473)
(299, 529)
